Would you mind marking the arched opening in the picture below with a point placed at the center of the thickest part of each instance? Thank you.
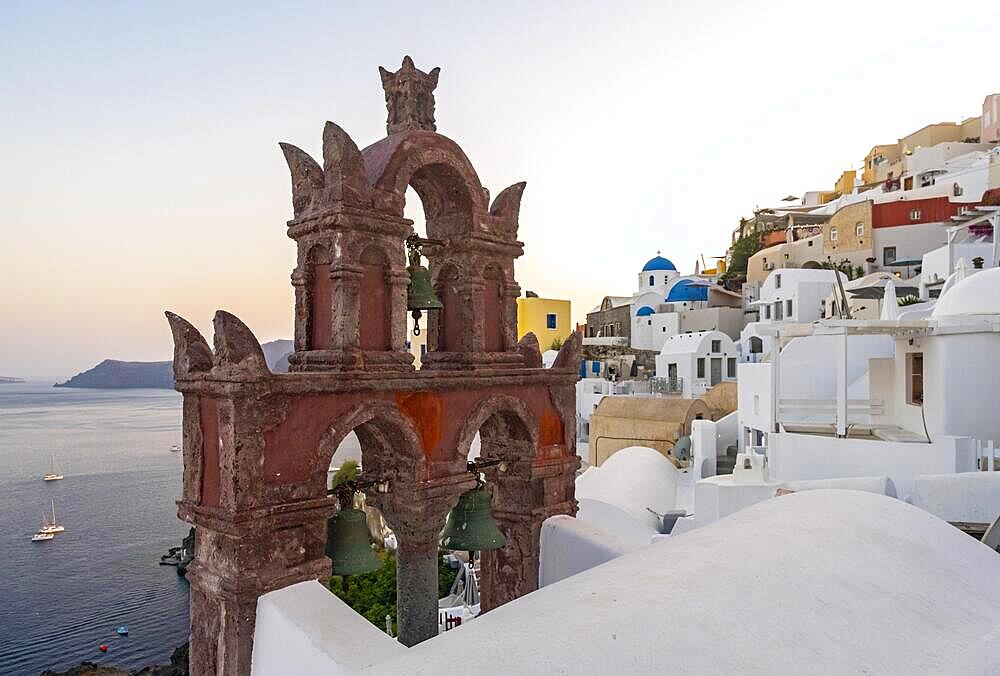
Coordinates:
(373, 322)
(504, 428)
(493, 285)
(320, 317)
(381, 439)
(445, 196)
(756, 345)
(447, 322)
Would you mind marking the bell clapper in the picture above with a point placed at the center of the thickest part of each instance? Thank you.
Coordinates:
(420, 293)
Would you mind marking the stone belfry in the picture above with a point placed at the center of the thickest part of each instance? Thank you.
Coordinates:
(258, 445)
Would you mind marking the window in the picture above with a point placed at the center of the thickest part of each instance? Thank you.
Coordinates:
(888, 255)
(649, 322)
(550, 321)
(767, 312)
(664, 329)
(859, 229)
(596, 367)
(423, 349)
(833, 234)
(778, 314)
(809, 242)
(731, 367)
(665, 279)
(777, 281)
(914, 214)
(915, 378)
(701, 367)
(651, 280)
(716, 346)
(788, 308)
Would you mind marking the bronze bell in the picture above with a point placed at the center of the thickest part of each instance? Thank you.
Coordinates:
(420, 294)
(348, 545)
(470, 525)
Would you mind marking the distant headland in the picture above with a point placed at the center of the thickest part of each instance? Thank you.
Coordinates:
(114, 374)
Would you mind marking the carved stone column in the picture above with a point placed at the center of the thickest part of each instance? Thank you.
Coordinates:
(346, 280)
(416, 514)
(300, 283)
(509, 316)
(399, 283)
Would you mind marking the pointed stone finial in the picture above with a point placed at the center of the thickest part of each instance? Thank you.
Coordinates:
(409, 97)
(236, 348)
(191, 351)
(569, 353)
(528, 348)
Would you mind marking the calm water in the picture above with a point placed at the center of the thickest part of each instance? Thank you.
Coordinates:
(60, 599)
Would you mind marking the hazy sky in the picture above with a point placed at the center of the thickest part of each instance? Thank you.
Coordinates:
(140, 168)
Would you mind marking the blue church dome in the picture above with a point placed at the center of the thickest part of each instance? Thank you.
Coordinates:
(658, 263)
(684, 291)
(645, 311)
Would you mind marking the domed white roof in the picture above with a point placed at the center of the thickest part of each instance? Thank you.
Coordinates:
(977, 294)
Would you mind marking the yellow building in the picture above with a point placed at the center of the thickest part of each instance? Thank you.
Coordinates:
(877, 163)
(547, 318)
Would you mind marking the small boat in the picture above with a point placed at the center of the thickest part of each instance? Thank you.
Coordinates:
(51, 526)
(55, 474)
(175, 449)
(103, 647)
(41, 537)
(122, 630)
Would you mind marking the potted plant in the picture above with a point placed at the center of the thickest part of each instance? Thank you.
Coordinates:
(977, 262)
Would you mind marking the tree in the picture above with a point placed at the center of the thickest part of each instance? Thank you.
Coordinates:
(556, 344)
(740, 253)
(373, 595)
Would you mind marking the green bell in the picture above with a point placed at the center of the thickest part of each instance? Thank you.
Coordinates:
(470, 525)
(420, 294)
(347, 543)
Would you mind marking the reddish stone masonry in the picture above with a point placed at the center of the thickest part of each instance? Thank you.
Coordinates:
(257, 445)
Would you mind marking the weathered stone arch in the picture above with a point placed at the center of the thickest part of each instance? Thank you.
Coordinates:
(438, 170)
(389, 444)
(499, 409)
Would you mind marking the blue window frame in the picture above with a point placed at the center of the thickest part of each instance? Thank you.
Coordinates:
(550, 321)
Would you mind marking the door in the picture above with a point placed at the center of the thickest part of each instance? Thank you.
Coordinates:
(716, 370)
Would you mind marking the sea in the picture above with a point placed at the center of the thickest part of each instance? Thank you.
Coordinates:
(61, 599)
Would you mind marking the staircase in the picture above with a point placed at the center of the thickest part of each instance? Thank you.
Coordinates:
(724, 464)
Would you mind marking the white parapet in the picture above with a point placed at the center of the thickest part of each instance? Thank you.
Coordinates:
(570, 546)
(795, 457)
(973, 497)
(825, 581)
(305, 629)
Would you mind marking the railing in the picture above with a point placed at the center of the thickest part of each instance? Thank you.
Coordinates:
(827, 408)
(666, 385)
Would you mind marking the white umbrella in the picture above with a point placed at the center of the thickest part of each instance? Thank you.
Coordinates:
(890, 307)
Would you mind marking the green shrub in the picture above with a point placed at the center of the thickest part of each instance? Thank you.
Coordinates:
(373, 595)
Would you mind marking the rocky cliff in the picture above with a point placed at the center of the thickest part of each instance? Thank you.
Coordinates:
(114, 374)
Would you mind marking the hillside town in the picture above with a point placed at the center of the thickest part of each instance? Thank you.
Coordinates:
(749, 436)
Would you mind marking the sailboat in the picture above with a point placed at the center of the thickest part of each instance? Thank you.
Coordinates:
(55, 474)
(52, 527)
(41, 535)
